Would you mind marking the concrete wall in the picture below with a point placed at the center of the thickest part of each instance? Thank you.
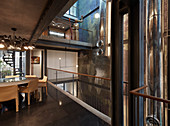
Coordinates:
(94, 65)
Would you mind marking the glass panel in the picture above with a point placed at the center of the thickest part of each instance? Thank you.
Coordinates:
(99, 89)
(17, 59)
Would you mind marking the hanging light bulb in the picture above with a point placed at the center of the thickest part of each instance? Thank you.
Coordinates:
(10, 47)
(25, 47)
(18, 48)
(13, 42)
(30, 47)
(2, 45)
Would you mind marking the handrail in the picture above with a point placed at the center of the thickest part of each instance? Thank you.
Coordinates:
(125, 82)
(148, 96)
(81, 74)
(96, 112)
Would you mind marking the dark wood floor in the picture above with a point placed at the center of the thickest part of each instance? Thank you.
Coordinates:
(50, 113)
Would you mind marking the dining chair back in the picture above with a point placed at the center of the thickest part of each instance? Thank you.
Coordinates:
(43, 83)
(12, 76)
(8, 93)
(30, 76)
(31, 87)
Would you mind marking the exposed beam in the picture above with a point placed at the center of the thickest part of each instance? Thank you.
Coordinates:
(66, 7)
(57, 48)
(53, 8)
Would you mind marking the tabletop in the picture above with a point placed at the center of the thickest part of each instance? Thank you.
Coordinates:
(14, 81)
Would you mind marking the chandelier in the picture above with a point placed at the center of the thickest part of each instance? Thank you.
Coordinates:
(15, 43)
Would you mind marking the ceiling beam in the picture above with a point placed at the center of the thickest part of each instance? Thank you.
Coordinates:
(56, 44)
(52, 9)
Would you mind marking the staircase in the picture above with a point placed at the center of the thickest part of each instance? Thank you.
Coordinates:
(9, 58)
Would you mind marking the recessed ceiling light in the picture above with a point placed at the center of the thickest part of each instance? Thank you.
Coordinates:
(58, 25)
(25, 47)
(63, 27)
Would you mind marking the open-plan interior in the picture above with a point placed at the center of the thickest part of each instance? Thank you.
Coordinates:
(84, 63)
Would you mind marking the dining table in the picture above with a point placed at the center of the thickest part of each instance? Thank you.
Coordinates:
(19, 81)
(14, 81)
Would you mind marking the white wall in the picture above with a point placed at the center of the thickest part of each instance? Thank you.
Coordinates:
(36, 68)
(68, 62)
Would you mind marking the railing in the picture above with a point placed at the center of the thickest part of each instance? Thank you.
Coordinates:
(93, 90)
(83, 35)
(155, 109)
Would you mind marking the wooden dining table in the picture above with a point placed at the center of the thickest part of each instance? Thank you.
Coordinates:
(19, 81)
(14, 81)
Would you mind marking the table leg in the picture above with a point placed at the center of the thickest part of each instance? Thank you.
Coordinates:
(40, 91)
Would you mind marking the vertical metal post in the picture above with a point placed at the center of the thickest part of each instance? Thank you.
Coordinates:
(73, 84)
(126, 104)
(136, 113)
(141, 60)
(14, 62)
(45, 51)
(134, 57)
(56, 76)
(64, 86)
(20, 64)
(168, 64)
(116, 63)
(42, 64)
(77, 87)
(28, 62)
(60, 63)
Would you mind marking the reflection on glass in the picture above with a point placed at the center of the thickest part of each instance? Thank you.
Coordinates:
(12, 79)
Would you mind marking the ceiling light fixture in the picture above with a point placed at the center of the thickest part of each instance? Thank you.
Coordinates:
(2, 45)
(15, 43)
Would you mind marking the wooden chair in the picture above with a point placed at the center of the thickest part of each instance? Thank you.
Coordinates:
(30, 76)
(8, 93)
(43, 83)
(12, 76)
(31, 87)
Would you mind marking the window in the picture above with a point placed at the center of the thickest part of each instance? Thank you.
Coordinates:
(72, 11)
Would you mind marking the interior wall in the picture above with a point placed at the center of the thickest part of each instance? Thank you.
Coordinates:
(63, 60)
(36, 68)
